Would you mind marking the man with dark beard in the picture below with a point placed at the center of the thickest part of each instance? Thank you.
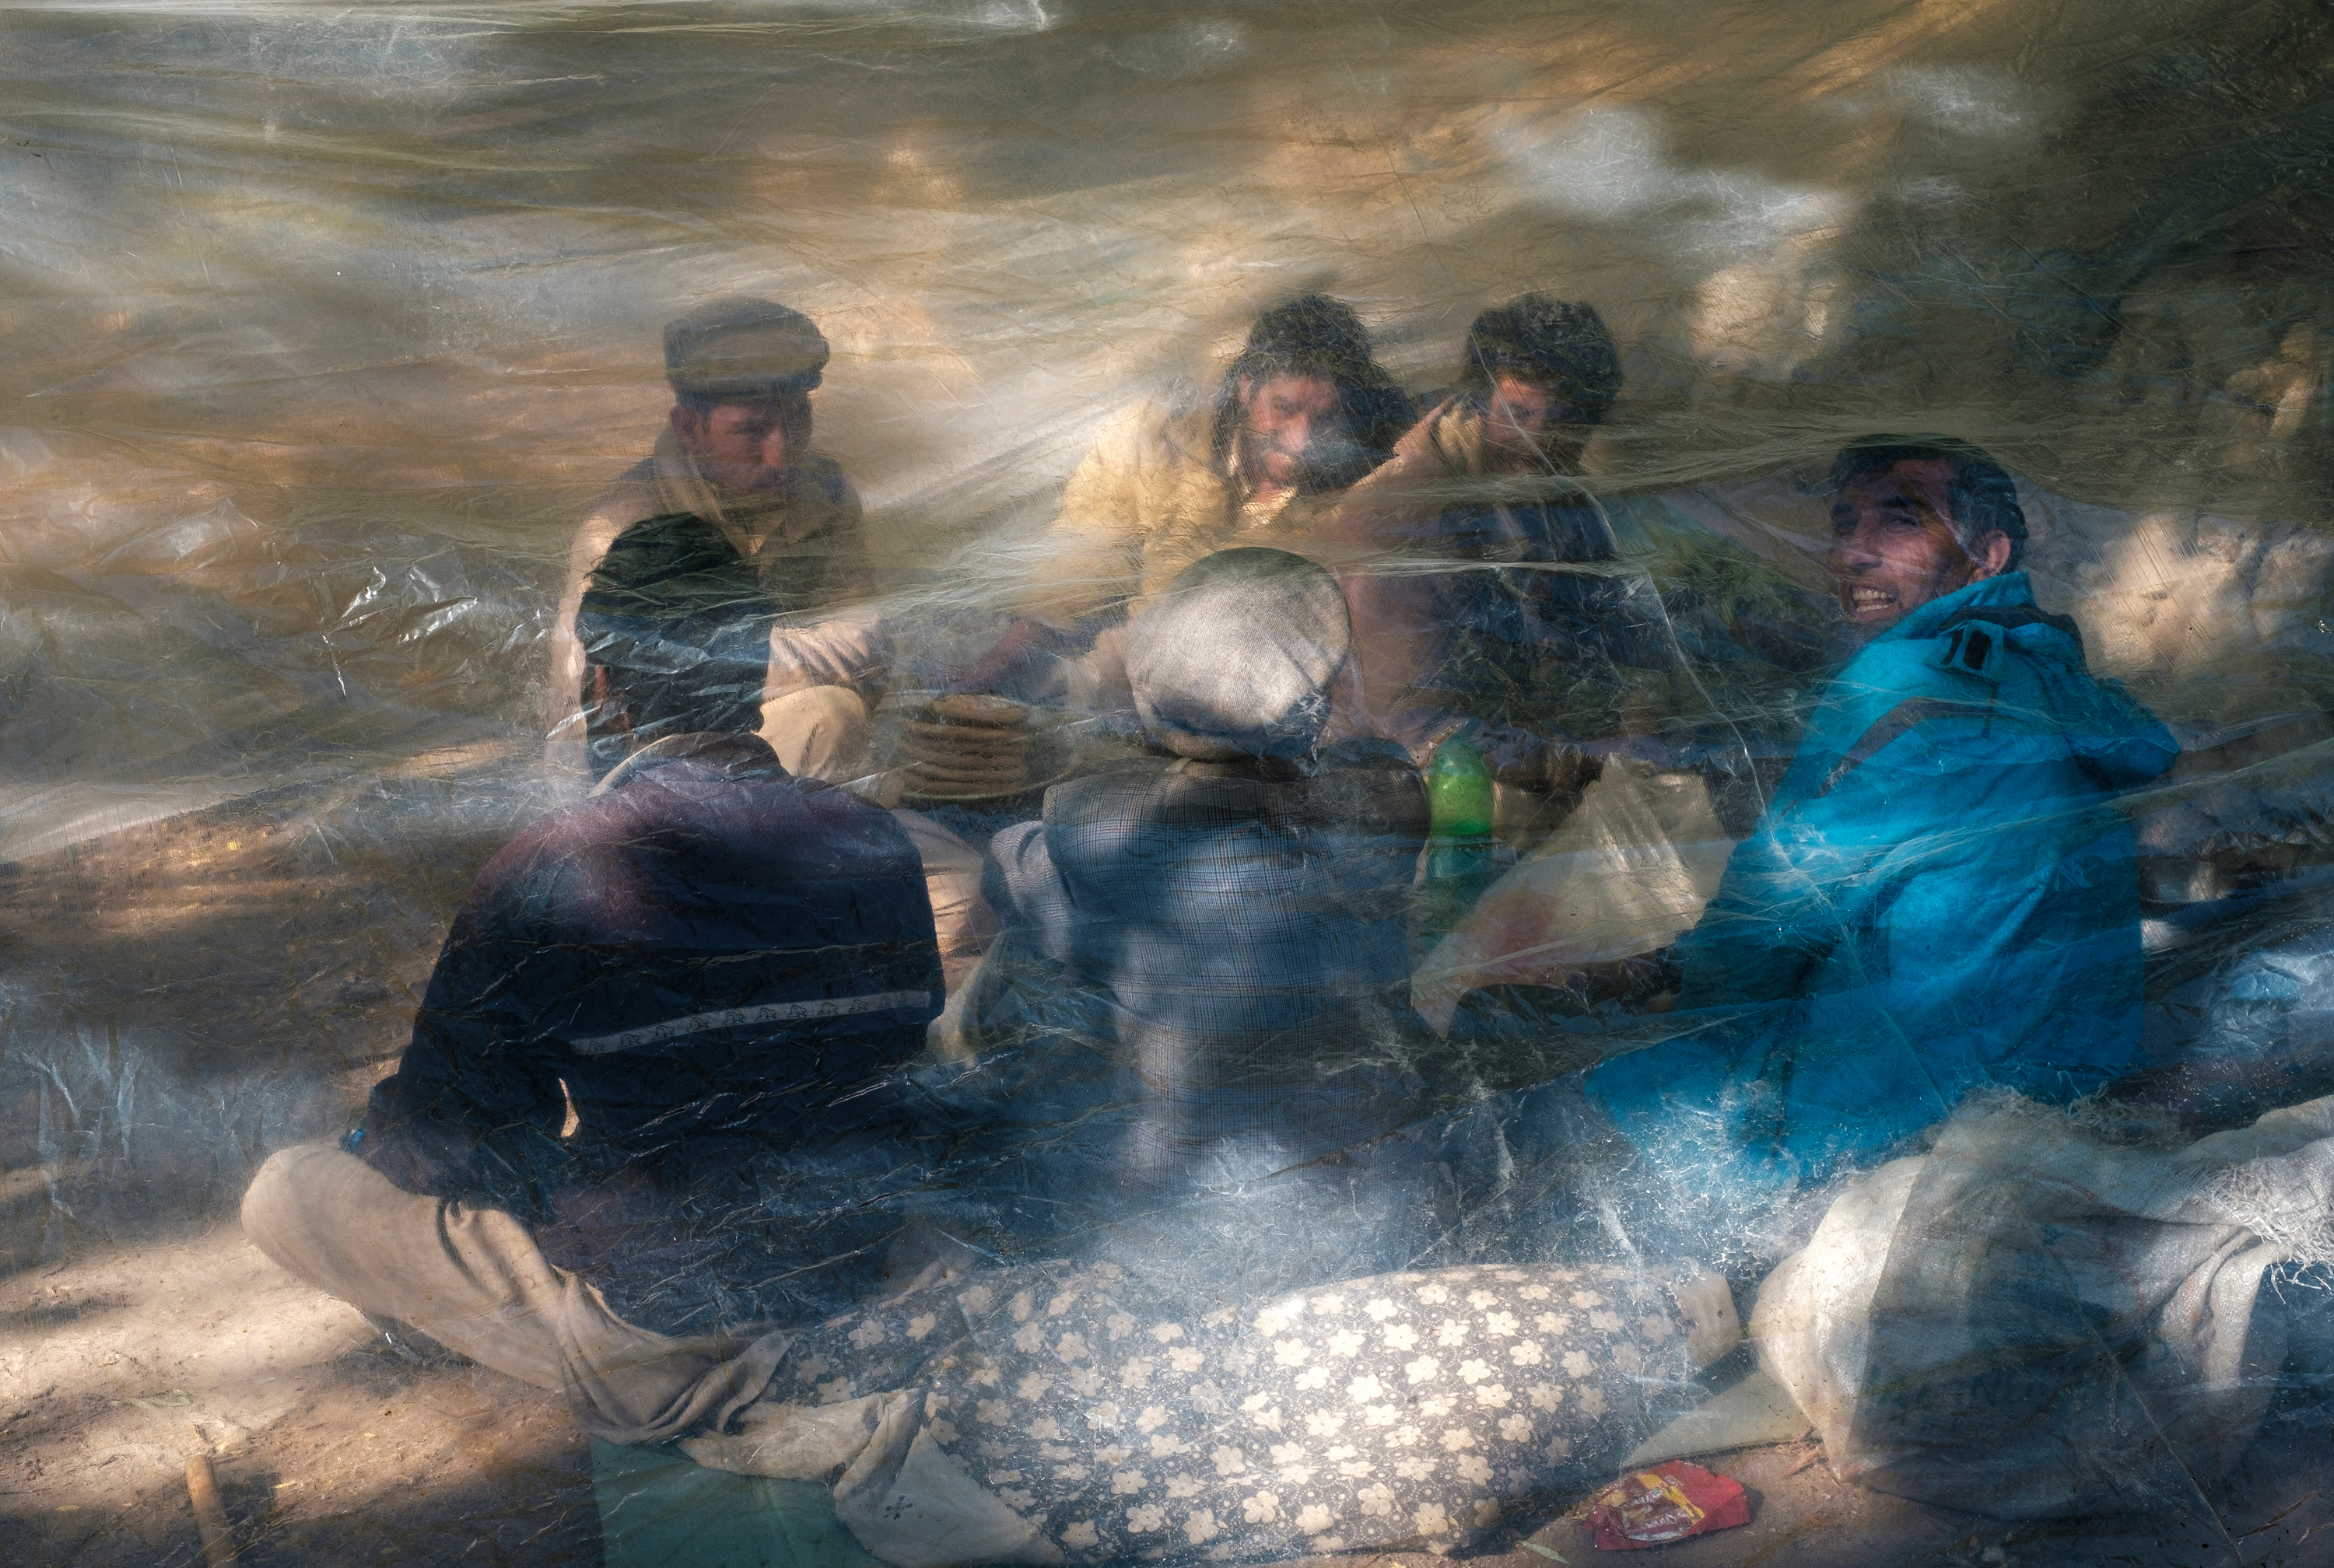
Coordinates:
(1456, 549)
(1302, 413)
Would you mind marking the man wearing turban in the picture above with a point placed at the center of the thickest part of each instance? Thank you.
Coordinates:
(1221, 939)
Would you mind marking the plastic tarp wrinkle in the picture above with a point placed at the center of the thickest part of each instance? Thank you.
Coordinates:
(991, 904)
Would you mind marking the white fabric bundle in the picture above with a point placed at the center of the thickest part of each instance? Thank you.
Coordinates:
(2031, 1320)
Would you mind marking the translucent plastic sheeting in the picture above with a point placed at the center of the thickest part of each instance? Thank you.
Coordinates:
(323, 326)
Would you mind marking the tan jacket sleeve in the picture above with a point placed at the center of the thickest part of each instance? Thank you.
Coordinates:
(1386, 509)
(1091, 559)
(565, 695)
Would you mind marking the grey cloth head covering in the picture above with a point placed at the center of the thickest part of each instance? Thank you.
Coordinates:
(1234, 658)
(743, 348)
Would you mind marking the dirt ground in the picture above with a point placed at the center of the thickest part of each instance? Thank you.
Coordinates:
(177, 1000)
(118, 1366)
(180, 999)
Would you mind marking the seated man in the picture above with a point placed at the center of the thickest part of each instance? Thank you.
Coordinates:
(736, 454)
(1301, 413)
(1222, 937)
(1940, 895)
(1460, 625)
(643, 1096)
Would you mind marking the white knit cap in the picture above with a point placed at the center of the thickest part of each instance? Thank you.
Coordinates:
(1235, 657)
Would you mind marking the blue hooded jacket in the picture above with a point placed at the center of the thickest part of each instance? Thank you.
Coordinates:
(1940, 897)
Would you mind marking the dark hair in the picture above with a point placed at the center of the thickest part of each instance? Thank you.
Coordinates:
(1980, 496)
(1561, 345)
(1315, 335)
(680, 623)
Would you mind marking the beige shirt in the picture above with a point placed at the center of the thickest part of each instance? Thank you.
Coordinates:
(808, 541)
(1442, 462)
(1148, 501)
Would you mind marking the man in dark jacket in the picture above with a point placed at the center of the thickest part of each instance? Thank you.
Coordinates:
(648, 1088)
(1469, 616)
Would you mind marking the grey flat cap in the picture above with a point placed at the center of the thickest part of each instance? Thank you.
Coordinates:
(743, 348)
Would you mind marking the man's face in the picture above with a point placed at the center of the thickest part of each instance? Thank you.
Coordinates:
(1285, 421)
(744, 445)
(1529, 430)
(1894, 549)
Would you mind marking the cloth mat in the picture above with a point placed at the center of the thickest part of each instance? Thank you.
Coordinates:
(659, 1510)
(1754, 1411)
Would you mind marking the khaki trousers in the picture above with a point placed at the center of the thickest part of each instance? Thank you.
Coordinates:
(473, 1279)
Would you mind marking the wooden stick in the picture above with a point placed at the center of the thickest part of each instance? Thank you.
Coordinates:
(210, 1514)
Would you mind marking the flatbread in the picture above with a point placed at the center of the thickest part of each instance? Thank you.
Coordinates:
(965, 755)
(970, 770)
(964, 738)
(963, 789)
(983, 712)
(983, 766)
(969, 775)
(942, 773)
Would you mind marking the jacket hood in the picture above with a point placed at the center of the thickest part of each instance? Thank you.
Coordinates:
(2011, 592)
(2032, 647)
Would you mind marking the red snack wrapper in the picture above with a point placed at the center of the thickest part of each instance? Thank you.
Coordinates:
(1664, 1503)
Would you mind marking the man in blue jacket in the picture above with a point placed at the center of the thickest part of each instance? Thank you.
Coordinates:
(1940, 896)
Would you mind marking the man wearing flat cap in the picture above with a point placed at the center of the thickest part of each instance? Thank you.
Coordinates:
(736, 454)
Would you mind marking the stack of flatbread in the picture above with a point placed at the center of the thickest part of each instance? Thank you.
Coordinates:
(967, 746)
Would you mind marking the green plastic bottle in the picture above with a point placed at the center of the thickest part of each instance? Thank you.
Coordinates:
(1460, 855)
(1459, 792)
